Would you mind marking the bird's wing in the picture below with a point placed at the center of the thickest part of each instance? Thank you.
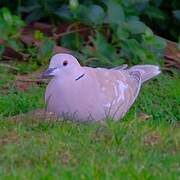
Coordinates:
(119, 88)
(122, 67)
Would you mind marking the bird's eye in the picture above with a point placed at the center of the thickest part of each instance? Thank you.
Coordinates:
(65, 63)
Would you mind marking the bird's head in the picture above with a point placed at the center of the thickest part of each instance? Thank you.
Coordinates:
(63, 65)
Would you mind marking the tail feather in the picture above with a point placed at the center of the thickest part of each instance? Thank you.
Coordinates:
(147, 71)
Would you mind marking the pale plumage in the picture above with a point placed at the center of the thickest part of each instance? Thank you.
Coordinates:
(85, 93)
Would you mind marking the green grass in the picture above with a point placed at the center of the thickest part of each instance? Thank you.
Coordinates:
(20, 102)
(13, 101)
(132, 148)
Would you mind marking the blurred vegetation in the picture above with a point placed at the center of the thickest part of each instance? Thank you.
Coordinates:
(118, 30)
(10, 26)
(158, 13)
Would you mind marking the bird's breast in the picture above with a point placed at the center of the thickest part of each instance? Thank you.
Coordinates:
(80, 98)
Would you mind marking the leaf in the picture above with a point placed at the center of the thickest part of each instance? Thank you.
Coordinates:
(96, 14)
(122, 33)
(115, 12)
(72, 41)
(148, 36)
(14, 44)
(18, 22)
(34, 16)
(28, 9)
(176, 14)
(136, 26)
(81, 14)
(7, 16)
(2, 48)
(38, 35)
(140, 6)
(64, 12)
(133, 50)
(46, 50)
(73, 4)
(133, 18)
(133, 45)
(104, 47)
(159, 43)
(154, 12)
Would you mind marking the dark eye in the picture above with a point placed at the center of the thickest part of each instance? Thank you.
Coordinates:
(65, 63)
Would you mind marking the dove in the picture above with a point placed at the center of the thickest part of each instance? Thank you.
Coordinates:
(93, 94)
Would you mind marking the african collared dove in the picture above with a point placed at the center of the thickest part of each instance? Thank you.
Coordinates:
(85, 93)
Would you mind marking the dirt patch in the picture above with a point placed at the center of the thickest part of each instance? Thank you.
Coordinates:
(152, 139)
(143, 116)
(24, 82)
(10, 137)
(38, 114)
(65, 158)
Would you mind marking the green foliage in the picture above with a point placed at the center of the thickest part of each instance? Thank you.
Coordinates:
(115, 12)
(72, 41)
(159, 14)
(129, 35)
(123, 27)
(103, 53)
(37, 10)
(32, 66)
(10, 26)
(164, 17)
(38, 35)
(45, 51)
(96, 14)
(142, 48)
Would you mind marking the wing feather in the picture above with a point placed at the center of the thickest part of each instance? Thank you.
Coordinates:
(120, 89)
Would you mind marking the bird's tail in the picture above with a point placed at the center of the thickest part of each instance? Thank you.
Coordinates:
(147, 71)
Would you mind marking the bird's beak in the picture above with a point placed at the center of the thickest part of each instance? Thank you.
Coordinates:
(50, 72)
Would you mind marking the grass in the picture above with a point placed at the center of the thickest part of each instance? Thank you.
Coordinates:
(132, 148)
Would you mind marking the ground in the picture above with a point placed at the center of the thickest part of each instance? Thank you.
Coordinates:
(145, 144)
